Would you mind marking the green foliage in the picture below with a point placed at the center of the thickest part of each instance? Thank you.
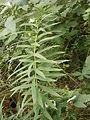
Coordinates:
(39, 38)
(1, 106)
(81, 100)
(85, 71)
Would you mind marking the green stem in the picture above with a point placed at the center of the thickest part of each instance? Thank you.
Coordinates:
(35, 65)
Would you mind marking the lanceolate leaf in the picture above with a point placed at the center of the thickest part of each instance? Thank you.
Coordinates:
(22, 56)
(48, 48)
(44, 34)
(23, 46)
(40, 73)
(51, 25)
(62, 61)
(20, 88)
(40, 56)
(46, 16)
(81, 100)
(19, 79)
(30, 69)
(1, 108)
(28, 24)
(18, 70)
(22, 73)
(47, 115)
(39, 98)
(55, 75)
(50, 91)
(55, 53)
(46, 79)
(49, 69)
(47, 61)
(48, 39)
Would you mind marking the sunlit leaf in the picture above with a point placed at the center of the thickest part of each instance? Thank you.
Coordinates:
(50, 91)
(40, 73)
(44, 34)
(48, 48)
(81, 100)
(47, 115)
(39, 98)
(48, 39)
(18, 70)
(46, 79)
(49, 69)
(30, 69)
(40, 56)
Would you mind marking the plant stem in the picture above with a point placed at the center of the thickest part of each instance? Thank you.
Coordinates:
(35, 65)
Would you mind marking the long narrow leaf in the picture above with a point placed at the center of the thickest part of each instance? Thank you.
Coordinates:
(40, 56)
(44, 34)
(48, 48)
(49, 90)
(48, 39)
(53, 24)
(18, 70)
(30, 69)
(20, 78)
(46, 79)
(47, 115)
(49, 69)
(39, 98)
(40, 73)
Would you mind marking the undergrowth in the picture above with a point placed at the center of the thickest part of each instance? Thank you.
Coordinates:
(44, 59)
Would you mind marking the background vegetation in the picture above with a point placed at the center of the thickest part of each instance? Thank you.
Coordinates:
(45, 59)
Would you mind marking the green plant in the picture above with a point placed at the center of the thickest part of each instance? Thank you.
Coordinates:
(38, 38)
(1, 113)
(85, 71)
(35, 78)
